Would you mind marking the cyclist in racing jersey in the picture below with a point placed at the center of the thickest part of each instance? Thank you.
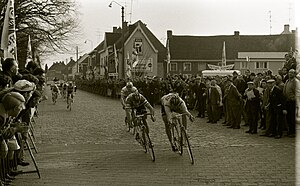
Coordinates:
(173, 103)
(125, 91)
(139, 102)
(55, 91)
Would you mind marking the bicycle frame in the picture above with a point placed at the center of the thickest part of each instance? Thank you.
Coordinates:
(140, 125)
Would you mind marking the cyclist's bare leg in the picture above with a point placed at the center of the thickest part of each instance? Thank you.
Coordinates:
(168, 129)
(128, 114)
(184, 121)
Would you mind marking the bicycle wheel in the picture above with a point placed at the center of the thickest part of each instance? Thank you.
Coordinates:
(177, 138)
(149, 145)
(188, 146)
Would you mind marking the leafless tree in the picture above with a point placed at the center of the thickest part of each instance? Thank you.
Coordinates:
(51, 24)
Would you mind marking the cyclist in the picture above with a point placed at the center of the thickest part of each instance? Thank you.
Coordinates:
(69, 91)
(139, 102)
(173, 103)
(125, 91)
(55, 92)
(64, 89)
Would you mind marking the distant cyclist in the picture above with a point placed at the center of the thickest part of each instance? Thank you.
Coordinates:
(173, 103)
(55, 92)
(138, 102)
(70, 93)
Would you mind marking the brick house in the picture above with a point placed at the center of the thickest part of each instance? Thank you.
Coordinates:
(191, 54)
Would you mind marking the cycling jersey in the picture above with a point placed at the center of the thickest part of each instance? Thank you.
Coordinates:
(125, 91)
(70, 89)
(133, 103)
(54, 88)
(167, 107)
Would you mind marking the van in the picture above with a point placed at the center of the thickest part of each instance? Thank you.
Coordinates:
(212, 73)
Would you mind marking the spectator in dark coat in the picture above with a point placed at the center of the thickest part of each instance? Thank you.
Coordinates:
(252, 107)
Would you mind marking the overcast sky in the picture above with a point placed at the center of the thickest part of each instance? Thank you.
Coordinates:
(184, 17)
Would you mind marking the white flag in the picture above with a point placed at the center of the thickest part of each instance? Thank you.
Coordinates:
(116, 58)
(8, 38)
(224, 55)
(29, 52)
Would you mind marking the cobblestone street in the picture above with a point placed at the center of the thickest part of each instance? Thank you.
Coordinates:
(90, 146)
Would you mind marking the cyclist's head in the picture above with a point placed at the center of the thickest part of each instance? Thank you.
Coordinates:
(129, 85)
(175, 101)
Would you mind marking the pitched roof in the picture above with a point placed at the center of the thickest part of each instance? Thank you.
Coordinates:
(57, 66)
(162, 52)
(210, 47)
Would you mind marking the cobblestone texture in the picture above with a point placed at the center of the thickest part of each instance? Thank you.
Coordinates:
(90, 146)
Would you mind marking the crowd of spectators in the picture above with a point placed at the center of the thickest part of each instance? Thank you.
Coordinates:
(258, 99)
(20, 93)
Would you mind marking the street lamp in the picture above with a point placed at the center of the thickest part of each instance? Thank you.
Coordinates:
(92, 45)
(122, 64)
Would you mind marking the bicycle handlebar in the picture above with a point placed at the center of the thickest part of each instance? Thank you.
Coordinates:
(179, 115)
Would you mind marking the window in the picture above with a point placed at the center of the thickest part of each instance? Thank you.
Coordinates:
(261, 65)
(173, 67)
(244, 65)
(187, 66)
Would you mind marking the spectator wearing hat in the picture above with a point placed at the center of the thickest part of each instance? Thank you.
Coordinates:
(284, 74)
(264, 94)
(277, 109)
(247, 75)
(233, 99)
(290, 91)
(25, 88)
(212, 100)
(252, 107)
(200, 90)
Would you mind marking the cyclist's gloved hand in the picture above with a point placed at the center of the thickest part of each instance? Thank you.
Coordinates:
(192, 118)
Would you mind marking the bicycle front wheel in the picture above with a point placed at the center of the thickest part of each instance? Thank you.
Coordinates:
(188, 146)
(177, 138)
(149, 146)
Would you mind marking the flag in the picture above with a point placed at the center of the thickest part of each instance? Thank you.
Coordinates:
(135, 57)
(116, 58)
(247, 58)
(8, 38)
(29, 52)
(168, 55)
(224, 55)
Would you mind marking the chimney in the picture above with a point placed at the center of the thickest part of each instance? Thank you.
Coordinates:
(169, 34)
(115, 29)
(125, 25)
(286, 29)
(236, 33)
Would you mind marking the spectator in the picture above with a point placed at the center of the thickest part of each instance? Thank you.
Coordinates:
(234, 105)
(213, 100)
(290, 90)
(252, 107)
(277, 109)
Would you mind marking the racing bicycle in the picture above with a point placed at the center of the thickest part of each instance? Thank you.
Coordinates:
(69, 101)
(179, 135)
(142, 133)
(54, 97)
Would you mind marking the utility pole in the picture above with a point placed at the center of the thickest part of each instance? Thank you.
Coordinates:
(77, 59)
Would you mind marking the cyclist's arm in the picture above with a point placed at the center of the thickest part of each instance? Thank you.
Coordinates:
(148, 106)
(184, 109)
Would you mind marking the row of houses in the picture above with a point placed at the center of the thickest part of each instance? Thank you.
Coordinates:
(145, 55)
